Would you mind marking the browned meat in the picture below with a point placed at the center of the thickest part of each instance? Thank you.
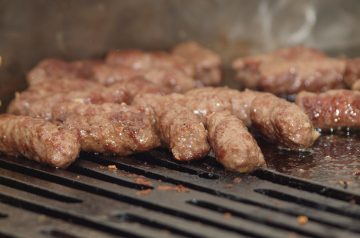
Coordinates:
(125, 131)
(331, 109)
(291, 70)
(65, 109)
(38, 140)
(63, 86)
(171, 79)
(54, 69)
(39, 103)
(282, 122)
(140, 60)
(136, 86)
(222, 98)
(110, 74)
(205, 62)
(233, 145)
(352, 73)
(180, 130)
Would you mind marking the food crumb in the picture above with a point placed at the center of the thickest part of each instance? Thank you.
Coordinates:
(78, 176)
(357, 172)
(41, 218)
(143, 192)
(237, 180)
(344, 184)
(228, 185)
(302, 220)
(112, 167)
(227, 215)
(178, 188)
(143, 181)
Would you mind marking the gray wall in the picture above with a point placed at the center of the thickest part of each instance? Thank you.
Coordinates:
(32, 30)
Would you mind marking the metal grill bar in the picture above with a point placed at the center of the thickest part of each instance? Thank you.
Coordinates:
(140, 199)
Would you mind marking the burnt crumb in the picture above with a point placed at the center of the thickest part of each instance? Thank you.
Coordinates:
(227, 215)
(143, 181)
(344, 184)
(178, 188)
(112, 167)
(302, 220)
(237, 180)
(353, 201)
(228, 185)
(357, 173)
(145, 192)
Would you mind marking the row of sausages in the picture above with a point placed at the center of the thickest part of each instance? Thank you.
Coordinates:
(131, 102)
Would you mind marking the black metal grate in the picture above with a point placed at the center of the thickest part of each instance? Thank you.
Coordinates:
(143, 198)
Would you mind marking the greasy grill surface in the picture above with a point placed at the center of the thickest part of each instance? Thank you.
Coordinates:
(143, 198)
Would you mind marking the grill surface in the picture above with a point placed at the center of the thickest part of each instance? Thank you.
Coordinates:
(142, 198)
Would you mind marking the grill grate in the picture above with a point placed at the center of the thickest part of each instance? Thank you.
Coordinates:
(150, 195)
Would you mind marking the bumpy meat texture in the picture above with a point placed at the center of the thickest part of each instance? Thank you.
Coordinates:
(139, 60)
(280, 121)
(38, 140)
(169, 79)
(65, 109)
(64, 86)
(289, 71)
(331, 109)
(180, 130)
(27, 104)
(233, 145)
(55, 69)
(135, 86)
(127, 130)
(222, 98)
(352, 74)
(206, 63)
(158, 67)
(39, 100)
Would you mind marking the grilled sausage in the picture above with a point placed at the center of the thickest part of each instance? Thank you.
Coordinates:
(233, 145)
(55, 69)
(206, 63)
(289, 71)
(331, 109)
(222, 98)
(180, 130)
(125, 131)
(170, 79)
(38, 140)
(282, 122)
(27, 103)
(141, 60)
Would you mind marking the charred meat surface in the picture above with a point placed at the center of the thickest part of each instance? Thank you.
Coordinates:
(233, 145)
(180, 130)
(124, 131)
(331, 109)
(206, 63)
(38, 140)
(288, 71)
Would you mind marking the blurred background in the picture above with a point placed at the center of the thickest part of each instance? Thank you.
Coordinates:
(74, 29)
